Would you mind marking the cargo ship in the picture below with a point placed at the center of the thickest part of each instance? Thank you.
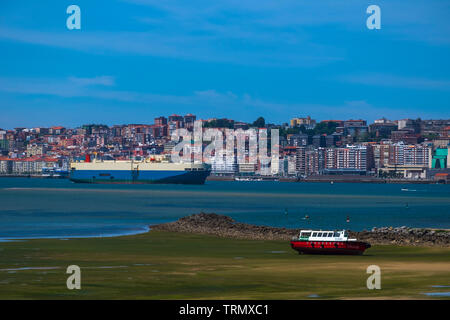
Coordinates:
(153, 170)
(327, 242)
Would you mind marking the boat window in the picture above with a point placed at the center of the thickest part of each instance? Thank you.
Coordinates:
(345, 234)
(330, 234)
(314, 234)
(337, 234)
(319, 234)
(305, 234)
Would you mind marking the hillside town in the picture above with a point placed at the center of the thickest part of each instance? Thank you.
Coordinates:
(406, 149)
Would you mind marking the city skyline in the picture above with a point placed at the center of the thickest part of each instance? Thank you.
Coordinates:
(286, 122)
(140, 58)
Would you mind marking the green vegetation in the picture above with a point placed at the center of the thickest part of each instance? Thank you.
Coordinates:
(323, 128)
(160, 265)
(259, 123)
(219, 123)
(4, 144)
(295, 130)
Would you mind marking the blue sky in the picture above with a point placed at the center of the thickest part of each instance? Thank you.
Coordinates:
(134, 60)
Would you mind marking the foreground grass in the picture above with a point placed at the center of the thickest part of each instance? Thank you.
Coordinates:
(161, 265)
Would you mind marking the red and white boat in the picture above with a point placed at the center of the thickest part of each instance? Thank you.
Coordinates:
(327, 242)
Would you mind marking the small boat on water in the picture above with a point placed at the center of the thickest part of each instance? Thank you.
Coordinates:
(327, 242)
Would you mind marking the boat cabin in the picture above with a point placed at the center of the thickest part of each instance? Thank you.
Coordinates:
(322, 235)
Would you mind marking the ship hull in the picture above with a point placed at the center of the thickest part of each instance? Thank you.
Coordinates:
(330, 247)
(139, 177)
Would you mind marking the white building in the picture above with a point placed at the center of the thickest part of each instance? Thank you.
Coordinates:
(223, 165)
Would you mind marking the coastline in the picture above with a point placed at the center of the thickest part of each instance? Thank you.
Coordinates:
(226, 227)
(182, 265)
(310, 179)
(144, 230)
(328, 179)
(170, 265)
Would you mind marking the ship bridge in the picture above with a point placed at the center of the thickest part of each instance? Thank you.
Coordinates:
(314, 235)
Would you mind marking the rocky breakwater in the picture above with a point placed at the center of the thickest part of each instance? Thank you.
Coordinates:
(224, 226)
(405, 236)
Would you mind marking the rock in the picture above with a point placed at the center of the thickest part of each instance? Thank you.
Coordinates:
(224, 226)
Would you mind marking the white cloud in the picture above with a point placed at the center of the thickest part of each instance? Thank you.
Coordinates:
(258, 50)
(213, 103)
(394, 81)
(251, 32)
(100, 80)
(418, 20)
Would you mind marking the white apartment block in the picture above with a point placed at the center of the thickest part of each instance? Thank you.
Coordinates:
(350, 157)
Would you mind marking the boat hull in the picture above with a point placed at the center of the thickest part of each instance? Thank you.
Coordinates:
(330, 247)
(139, 177)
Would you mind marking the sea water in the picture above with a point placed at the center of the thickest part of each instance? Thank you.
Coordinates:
(58, 208)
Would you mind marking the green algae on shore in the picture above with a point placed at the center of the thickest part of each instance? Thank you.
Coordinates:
(163, 265)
